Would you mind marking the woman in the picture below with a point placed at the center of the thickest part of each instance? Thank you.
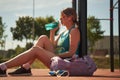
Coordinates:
(65, 46)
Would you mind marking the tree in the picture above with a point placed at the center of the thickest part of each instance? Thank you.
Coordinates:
(28, 46)
(19, 50)
(1, 28)
(94, 31)
(11, 53)
(40, 25)
(24, 28)
(2, 35)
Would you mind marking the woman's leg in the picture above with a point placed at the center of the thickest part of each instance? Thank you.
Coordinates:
(44, 42)
(43, 49)
(35, 52)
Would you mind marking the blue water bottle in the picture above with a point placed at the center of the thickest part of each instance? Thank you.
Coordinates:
(51, 25)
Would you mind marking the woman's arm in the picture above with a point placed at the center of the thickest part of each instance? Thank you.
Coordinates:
(74, 41)
(52, 36)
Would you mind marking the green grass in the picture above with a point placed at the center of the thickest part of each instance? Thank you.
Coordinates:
(38, 64)
(103, 62)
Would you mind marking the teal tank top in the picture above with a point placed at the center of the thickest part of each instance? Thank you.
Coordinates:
(63, 42)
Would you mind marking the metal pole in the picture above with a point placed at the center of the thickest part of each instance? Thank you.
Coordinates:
(111, 37)
(33, 19)
(119, 28)
(74, 4)
(82, 12)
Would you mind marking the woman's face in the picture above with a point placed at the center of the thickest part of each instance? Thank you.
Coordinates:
(64, 19)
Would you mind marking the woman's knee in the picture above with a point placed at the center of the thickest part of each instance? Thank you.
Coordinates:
(43, 37)
(36, 48)
(41, 41)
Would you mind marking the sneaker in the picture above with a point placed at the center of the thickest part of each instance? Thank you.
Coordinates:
(59, 73)
(62, 73)
(53, 73)
(21, 72)
(3, 73)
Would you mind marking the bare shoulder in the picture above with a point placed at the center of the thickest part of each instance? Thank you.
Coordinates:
(74, 36)
(75, 31)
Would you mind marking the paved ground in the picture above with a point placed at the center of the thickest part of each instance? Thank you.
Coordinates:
(42, 74)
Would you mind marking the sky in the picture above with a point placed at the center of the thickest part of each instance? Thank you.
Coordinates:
(11, 10)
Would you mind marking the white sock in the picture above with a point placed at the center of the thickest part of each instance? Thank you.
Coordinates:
(26, 66)
(3, 66)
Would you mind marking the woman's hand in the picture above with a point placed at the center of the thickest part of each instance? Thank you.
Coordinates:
(54, 30)
(52, 34)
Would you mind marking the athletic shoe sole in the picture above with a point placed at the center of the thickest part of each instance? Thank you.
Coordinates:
(25, 74)
(3, 75)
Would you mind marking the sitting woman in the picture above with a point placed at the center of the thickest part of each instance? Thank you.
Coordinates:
(65, 46)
